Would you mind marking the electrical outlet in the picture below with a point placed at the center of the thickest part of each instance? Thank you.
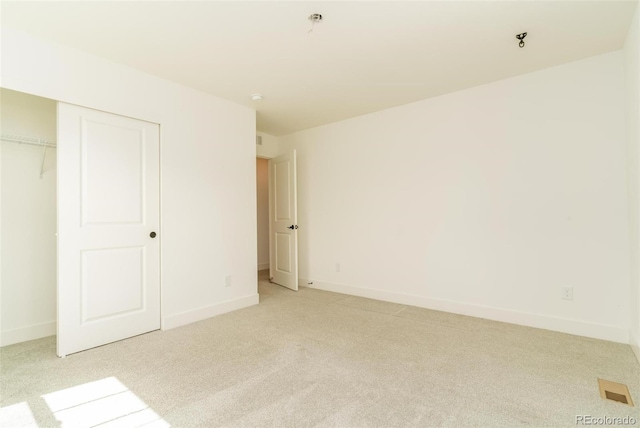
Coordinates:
(567, 293)
(337, 267)
(227, 281)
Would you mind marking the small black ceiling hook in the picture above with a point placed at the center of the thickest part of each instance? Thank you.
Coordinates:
(521, 38)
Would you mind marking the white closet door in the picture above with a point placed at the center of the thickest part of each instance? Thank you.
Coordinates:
(108, 219)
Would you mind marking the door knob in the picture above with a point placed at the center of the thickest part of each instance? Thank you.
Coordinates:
(152, 234)
(293, 227)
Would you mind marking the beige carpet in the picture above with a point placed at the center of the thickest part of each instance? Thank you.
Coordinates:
(315, 358)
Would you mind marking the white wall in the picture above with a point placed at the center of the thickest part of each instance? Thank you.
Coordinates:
(269, 147)
(207, 166)
(28, 225)
(632, 81)
(262, 197)
(483, 202)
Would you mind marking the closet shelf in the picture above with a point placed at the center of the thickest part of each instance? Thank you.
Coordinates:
(21, 139)
(32, 141)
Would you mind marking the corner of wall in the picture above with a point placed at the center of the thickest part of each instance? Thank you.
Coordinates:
(635, 345)
(632, 83)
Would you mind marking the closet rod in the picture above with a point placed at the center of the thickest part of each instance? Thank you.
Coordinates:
(20, 139)
(32, 141)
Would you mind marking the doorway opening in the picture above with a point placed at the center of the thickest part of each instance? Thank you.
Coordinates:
(262, 199)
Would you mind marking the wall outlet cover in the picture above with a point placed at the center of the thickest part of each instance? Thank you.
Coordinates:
(567, 293)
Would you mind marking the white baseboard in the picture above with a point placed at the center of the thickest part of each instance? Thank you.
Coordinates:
(579, 328)
(634, 341)
(188, 317)
(31, 332)
(263, 266)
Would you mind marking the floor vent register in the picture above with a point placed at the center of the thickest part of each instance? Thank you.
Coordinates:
(615, 391)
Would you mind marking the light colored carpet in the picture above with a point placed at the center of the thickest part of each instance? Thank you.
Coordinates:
(314, 358)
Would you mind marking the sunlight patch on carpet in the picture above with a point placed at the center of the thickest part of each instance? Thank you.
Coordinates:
(105, 403)
(17, 415)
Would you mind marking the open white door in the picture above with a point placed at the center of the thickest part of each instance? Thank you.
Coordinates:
(283, 221)
(108, 218)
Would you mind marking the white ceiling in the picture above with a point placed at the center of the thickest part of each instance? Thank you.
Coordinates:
(363, 57)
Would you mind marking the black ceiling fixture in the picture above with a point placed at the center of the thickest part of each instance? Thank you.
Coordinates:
(521, 37)
(314, 18)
